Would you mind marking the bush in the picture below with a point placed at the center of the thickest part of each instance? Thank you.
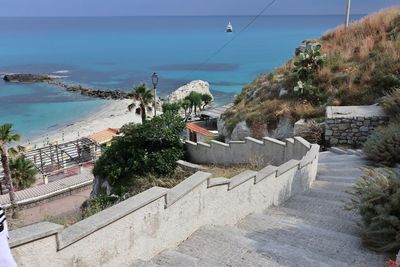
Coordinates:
(306, 64)
(312, 132)
(97, 204)
(384, 144)
(137, 185)
(377, 198)
(383, 81)
(391, 103)
(149, 148)
(171, 107)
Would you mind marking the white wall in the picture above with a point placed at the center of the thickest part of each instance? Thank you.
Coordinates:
(146, 224)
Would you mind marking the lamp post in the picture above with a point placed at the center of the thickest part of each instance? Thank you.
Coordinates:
(346, 22)
(154, 79)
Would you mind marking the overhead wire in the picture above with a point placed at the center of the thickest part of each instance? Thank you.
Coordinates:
(234, 37)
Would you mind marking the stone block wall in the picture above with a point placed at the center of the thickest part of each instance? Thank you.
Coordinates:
(351, 131)
(351, 125)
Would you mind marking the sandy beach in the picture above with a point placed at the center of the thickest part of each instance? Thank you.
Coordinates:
(114, 114)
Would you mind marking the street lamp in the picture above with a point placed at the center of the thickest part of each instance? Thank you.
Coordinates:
(154, 79)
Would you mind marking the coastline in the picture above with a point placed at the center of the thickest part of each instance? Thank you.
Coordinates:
(113, 114)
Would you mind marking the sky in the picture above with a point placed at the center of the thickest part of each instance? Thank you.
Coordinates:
(184, 7)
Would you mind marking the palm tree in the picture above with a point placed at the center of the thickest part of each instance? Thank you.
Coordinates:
(23, 172)
(145, 98)
(185, 104)
(14, 152)
(7, 135)
(206, 98)
(195, 101)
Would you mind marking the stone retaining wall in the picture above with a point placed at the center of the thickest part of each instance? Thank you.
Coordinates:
(159, 218)
(350, 125)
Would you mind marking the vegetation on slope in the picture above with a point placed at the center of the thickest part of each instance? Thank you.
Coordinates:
(383, 145)
(352, 67)
(143, 149)
(377, 198)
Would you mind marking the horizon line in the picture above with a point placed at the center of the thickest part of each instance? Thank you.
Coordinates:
(127, 16)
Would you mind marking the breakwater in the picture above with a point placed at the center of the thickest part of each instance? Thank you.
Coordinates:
(44, 78)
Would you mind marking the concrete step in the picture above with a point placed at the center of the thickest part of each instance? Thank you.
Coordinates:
(220, 246)
(173, 258)
(357, 152)
(340, 171)
(340, 179)
(321, 207)
(325, 156)
(337, 150)
(140, 263)
(343, 164)
(331, 186)
(329, 195)
(322, 221)
(294, 232)
(233, 247)
(330, 155)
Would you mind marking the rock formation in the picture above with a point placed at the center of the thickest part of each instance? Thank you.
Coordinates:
(27, 78)
(241, 131)
(39, 78)
(198, 86)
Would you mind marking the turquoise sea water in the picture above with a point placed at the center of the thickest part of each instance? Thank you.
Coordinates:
(118, 52)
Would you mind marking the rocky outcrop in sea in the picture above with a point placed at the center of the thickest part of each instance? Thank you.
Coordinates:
(198, 86)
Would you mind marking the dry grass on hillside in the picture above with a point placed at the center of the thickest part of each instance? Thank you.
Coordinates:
(228, 171)
(361, 65)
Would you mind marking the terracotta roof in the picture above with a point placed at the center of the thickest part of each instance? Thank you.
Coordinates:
(104, 136)
(200, 130)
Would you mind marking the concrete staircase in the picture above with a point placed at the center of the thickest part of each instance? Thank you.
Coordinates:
(311, 229)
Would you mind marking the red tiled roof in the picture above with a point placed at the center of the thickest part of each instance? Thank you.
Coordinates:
(104, 136)
(200, 130)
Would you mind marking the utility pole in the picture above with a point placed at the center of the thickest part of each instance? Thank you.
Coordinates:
(347, 14)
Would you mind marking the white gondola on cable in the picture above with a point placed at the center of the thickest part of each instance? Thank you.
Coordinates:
(229, 28)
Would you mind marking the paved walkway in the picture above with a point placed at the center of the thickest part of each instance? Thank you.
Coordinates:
(311, 229)
(44, 191)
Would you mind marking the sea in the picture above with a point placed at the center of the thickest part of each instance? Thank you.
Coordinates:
(120, 52)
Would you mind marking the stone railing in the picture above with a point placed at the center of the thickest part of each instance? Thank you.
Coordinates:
(159, 218)
(268, 150)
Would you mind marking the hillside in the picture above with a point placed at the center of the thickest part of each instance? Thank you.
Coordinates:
(356, 66)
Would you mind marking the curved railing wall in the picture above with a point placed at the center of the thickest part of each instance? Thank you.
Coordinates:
(159, 218)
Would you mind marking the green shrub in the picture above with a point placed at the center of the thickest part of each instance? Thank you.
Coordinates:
(384, 144)
(220, 138)
(239, 98)
(149, 148)
(308, 62)
(383, 81)
(377, 198)
(136, 185)
(97, 204)
(171, 107)
(306, 65)
(391, 103)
